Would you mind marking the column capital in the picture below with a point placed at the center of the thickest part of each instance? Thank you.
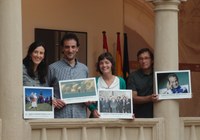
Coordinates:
(166, 5)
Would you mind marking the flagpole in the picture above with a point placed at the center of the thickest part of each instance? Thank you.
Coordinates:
(119, 57)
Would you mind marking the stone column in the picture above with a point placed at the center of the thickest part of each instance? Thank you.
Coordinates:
(166, 58)
(11, 70)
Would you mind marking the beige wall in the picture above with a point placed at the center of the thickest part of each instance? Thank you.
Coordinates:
(89, 16)
(139, 25)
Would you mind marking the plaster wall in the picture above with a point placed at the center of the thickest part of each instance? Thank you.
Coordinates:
(88, 16)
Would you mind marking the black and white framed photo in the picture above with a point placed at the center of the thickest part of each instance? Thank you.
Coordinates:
(38, 102)
(78, 90)
(173, 84)
(115, 104)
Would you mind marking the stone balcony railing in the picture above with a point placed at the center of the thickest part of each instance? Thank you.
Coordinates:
(190, 128)
(97, 129)
(107, 129)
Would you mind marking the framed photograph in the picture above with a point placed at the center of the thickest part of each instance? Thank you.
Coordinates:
(173, 84)
(115, 104)
(38, 102)
(78, 91)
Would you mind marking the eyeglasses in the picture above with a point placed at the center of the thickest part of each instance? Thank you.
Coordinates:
(143, 58)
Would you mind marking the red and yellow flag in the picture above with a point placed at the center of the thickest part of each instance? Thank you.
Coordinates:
(105, 45)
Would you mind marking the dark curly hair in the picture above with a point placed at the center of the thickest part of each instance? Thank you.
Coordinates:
(69, 36)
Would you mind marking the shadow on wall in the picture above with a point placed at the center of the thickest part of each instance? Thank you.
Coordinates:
(135, 43)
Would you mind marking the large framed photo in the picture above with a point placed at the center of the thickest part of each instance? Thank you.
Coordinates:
(115, 104)
(38, 102)
(78, 91)
(173, 84)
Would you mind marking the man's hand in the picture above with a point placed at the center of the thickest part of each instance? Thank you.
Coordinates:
(154, 97)
(169, 85)
(58, 103)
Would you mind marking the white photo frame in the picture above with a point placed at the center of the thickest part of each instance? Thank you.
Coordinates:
(78, 90)
(173, 89)
(115, 104)
(37, 102)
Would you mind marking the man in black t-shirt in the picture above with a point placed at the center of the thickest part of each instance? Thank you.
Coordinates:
(141, 83)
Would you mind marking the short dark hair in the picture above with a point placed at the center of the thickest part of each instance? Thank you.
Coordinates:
(145, 50)
(108, 56)
(172, 75)
(69, 36)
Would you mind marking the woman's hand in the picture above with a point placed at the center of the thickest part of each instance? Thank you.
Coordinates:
(95, 114)
(89, 103)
